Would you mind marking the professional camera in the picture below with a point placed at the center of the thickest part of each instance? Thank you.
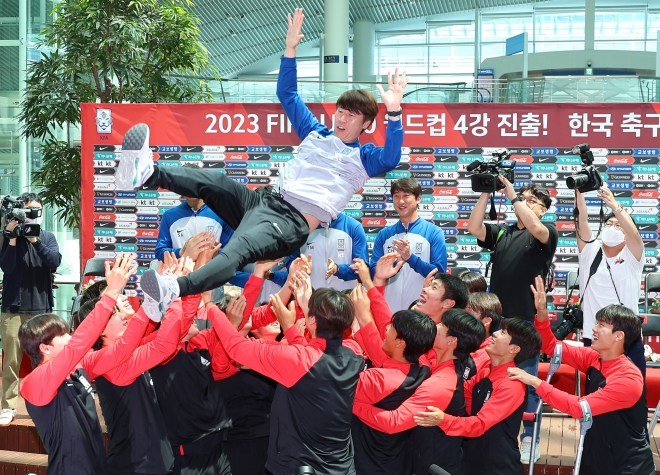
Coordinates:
(587, 179)
(12, 209)
(485, 179)
(572, 320)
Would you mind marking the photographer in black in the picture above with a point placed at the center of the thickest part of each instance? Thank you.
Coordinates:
(618, 261)
(26, 260)
(521, 252)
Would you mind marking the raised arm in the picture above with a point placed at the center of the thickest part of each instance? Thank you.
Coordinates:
(584, 229)
(633, 239)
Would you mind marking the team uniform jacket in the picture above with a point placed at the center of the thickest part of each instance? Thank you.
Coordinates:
(137, 432)
(327, 172)
(61, 404)
(615, 391)
(179, 224)
(343, 241)
(428, 252)
(312, 378)
(480, 357)
(495, 405)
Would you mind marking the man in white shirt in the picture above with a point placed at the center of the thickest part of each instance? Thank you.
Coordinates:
(617, 279)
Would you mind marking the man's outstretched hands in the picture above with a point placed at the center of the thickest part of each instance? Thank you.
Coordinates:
(293, 34)
(396, 86)
(540, 302)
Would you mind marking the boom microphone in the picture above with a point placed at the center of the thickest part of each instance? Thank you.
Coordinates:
(435, 470)
(473, 166)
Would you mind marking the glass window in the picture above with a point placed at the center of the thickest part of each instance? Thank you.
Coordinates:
(405, 39)
(565, 26)
(414, 59)
(619, 26)
(463, 33)
(497, 30)
(451, 59)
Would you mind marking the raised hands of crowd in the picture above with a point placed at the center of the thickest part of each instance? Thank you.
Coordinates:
(386, 267)
(362, 306)
(199, 242)
(285, 315)
(118, 274)
(235, 310)
(363, 272)
(301, 287)
(302, 262)
(261, 268)
(540, 302)
(170, 265)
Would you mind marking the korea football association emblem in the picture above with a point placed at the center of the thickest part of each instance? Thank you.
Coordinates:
(103, 121)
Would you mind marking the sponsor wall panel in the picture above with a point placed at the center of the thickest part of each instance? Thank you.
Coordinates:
(251, 142)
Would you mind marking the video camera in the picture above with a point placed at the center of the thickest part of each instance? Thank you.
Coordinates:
(12, 209)
(572, 320)
(587, 179)
(485, 180)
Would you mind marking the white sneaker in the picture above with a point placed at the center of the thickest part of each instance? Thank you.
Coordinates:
(159, 293)
(526, 448)
(136, 163)
(6, 416)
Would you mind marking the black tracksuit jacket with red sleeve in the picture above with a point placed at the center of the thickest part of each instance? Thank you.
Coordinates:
(311, 411)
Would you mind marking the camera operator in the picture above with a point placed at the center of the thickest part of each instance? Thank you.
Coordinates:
(521, 252)
(618, 277)
(26, 291)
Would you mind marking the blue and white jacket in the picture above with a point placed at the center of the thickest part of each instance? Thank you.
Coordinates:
(327, 172)
(428, 252)
(343, 241)
(179, 224)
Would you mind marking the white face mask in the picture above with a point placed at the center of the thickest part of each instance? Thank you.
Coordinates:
(35, 220)
(612, 237)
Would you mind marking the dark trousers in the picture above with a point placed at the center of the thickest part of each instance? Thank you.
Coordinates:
(265, 226)
(247, 457)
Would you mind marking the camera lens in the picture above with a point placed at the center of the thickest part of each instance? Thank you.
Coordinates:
(577, 181)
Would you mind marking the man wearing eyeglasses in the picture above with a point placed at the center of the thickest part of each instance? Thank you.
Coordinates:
(522, 251)
(618, 277)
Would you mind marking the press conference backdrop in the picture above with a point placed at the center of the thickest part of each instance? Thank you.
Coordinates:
(251, 142)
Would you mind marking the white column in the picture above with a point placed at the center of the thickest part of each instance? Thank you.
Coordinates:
(336, 40)
(657, 56)
(364, 48)
(589, 23)
(22, 64)
(477, 39)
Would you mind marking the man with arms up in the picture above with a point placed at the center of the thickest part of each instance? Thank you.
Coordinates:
(521, 252)
(312, 189)
(618, 277)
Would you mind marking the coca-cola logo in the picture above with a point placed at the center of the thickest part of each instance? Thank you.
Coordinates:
(565, 226)
(621, 160)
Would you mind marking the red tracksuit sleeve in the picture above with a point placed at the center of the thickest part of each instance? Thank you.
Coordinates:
(41, 385)
(286, 364)
(578, 357)
(251, 292)
(376, 384)
(380, 310)
(189, 307)
(99, 362)
(623, 389)
(153, 353)
(264, 315)
(293, 336)
(507, 396)
(222, 365)
(372, 344)
(436, 391)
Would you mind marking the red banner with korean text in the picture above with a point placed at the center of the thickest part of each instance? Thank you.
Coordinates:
(251, 142)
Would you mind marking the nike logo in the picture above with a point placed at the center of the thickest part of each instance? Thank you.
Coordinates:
(103, 224)
(213, 164)
(280, 149)
(468, 151)
(644, 160)
(168, 156)
(443, 224)
(543, 159)
(566, 234)
(564, 259)
(103, 247)
(619, 193)
(103, 148)
(278, 229)
(372, 230)
(641, 228)
(444, 159)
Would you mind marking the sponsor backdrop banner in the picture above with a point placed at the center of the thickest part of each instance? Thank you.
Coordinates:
(251, 142)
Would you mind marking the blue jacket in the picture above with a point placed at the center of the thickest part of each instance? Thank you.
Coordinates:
(428, 252)
(180, 223)
(13, 262)
(343, 241)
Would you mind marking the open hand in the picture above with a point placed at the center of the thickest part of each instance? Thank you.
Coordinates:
(432, 418)
(293, 34)
(538, 289)
(396, 86)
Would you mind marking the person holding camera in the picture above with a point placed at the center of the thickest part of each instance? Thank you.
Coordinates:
(610, 268)
(521, 251)
(27, 290)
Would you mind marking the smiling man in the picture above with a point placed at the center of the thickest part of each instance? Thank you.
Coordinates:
(420, 243)
(615, 391)
(313, 187)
